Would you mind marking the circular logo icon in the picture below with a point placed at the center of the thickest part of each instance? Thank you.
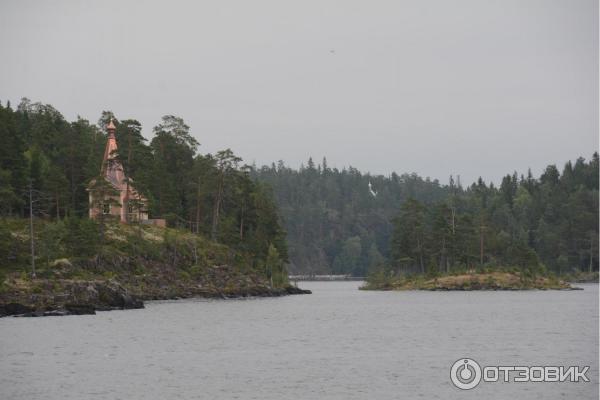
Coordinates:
(465, 373)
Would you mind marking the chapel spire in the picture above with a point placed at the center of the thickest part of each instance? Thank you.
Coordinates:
(111, 127)
(111, 144)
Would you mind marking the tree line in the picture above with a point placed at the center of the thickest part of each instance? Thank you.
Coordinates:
(334, 223)
(408, 224)
(210, 194)
(549, 223)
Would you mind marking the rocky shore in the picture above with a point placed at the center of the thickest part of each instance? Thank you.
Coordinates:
(43, 297)
(66, 296)
(472, 281)
(132, 265)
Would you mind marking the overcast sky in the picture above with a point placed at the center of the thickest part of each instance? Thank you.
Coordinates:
(435, 87)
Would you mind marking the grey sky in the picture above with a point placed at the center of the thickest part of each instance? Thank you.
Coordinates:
(435, 87)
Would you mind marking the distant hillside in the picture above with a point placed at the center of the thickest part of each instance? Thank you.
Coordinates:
(336, 224)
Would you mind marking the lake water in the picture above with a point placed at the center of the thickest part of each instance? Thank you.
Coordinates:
(338, 343)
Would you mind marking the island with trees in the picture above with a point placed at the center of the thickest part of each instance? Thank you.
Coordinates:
(63, 249)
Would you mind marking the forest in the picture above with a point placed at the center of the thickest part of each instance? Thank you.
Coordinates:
(337, 224)
(54, 160)
(317, 219)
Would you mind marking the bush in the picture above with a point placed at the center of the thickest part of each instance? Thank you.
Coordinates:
(378, 277)
(82, 237)
(184, 276)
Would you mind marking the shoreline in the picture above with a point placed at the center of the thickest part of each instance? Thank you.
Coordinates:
(490, 281)
(117, 298)
(56, 296)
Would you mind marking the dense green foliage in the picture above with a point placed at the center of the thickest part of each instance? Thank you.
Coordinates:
(335, 224)
(531, 224)
(209, 194)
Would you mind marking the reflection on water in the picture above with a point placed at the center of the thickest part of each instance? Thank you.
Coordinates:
(338, 343)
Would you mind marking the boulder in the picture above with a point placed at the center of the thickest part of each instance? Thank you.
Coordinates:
(296, 290)
(80, 309)
(130, 302)
(113, 295)
(14, 309)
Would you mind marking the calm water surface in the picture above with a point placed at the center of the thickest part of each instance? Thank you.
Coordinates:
(338, 343)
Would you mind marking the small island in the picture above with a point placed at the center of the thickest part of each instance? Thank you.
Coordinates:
(483, 280)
